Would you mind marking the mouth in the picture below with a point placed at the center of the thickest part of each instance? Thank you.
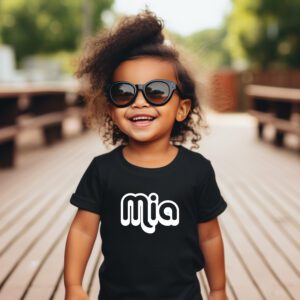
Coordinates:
(142, 121)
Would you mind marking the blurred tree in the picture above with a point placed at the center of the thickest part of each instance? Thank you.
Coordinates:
(265, 33)
(1, 18)
(207, 45)
(42, 26)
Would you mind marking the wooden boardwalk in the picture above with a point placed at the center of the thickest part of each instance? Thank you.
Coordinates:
(261, 227)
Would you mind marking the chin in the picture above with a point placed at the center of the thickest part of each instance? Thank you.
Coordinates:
(140, 138)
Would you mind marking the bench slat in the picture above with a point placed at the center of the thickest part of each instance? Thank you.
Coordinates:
(43, 120)
(269, 118)
(274, 93)
(8, 133)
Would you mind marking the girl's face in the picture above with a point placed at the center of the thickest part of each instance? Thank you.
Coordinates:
(140, 71)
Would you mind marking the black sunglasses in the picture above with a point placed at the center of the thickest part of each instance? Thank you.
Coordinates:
(156, 92)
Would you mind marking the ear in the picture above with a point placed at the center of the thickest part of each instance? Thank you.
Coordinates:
(183, 109)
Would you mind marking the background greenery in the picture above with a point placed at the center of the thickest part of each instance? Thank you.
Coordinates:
(43, 26)
(256, 33)
(265, 33)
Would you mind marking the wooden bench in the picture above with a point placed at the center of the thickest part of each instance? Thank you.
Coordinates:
(34, 106)
(277, 106)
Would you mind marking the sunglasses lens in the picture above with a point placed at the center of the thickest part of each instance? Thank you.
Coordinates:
(122, 93)
(157, 91)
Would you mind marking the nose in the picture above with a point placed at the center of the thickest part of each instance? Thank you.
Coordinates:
(140, 100)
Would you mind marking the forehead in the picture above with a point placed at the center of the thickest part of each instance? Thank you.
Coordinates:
(143, 69)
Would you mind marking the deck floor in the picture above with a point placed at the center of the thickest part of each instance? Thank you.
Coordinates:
(261, 227)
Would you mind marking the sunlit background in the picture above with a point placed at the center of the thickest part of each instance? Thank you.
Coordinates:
(246, 58)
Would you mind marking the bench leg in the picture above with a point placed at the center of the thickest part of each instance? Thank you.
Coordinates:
(279, 138)
(260, 129)
(7, 154)
(283, 111)
(8, 116)
(53, 133)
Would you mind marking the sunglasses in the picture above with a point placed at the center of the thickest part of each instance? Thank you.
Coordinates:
(156, 92)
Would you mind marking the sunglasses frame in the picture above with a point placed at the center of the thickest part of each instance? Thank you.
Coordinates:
(141, 87)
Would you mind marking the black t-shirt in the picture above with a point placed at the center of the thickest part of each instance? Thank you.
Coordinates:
(149, 220)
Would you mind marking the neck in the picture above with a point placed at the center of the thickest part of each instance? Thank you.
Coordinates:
(148, 150)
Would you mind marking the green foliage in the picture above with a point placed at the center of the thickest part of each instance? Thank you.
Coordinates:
(207, 46)
(266, 33)
(43, 26)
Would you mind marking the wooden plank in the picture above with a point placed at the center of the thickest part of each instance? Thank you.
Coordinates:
(286, 125)
(269, 118)
(263, 117)
(15, 231)
(14, 249)
(274, 93)
(237, 272)
(267, 280)
(17, 201)
(8, 133)
(254, 182)
(63, 183)
(273, 207)
(288, 250)
(53, 161)
(42, 120)
(31, 262)
(38, 89)
(28, 220)
(44, 283)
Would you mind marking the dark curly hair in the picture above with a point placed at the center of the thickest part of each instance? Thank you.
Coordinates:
(131, 37)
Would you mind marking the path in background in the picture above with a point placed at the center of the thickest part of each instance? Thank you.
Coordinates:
(260, 227)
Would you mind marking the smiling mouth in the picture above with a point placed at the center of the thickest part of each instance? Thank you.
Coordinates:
(142, 122)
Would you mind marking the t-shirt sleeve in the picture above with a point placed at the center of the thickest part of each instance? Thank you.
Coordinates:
(88, 193)
(210, 202)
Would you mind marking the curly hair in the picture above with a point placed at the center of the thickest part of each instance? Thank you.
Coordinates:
(133, 36)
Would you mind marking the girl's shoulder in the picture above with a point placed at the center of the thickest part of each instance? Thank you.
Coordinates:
(195, 156)
(106, 157)
(198, 163)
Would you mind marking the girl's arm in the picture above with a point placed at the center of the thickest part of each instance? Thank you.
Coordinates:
(80, 240)
(211, 244)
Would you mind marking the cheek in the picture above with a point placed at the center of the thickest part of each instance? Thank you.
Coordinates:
(117, 115)
(169, 111)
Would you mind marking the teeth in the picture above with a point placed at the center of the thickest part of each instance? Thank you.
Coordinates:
(142, 118)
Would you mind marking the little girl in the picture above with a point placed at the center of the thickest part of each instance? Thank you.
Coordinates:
(157, 200)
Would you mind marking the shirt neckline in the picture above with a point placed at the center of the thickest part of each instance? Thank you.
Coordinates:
(144, 170)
